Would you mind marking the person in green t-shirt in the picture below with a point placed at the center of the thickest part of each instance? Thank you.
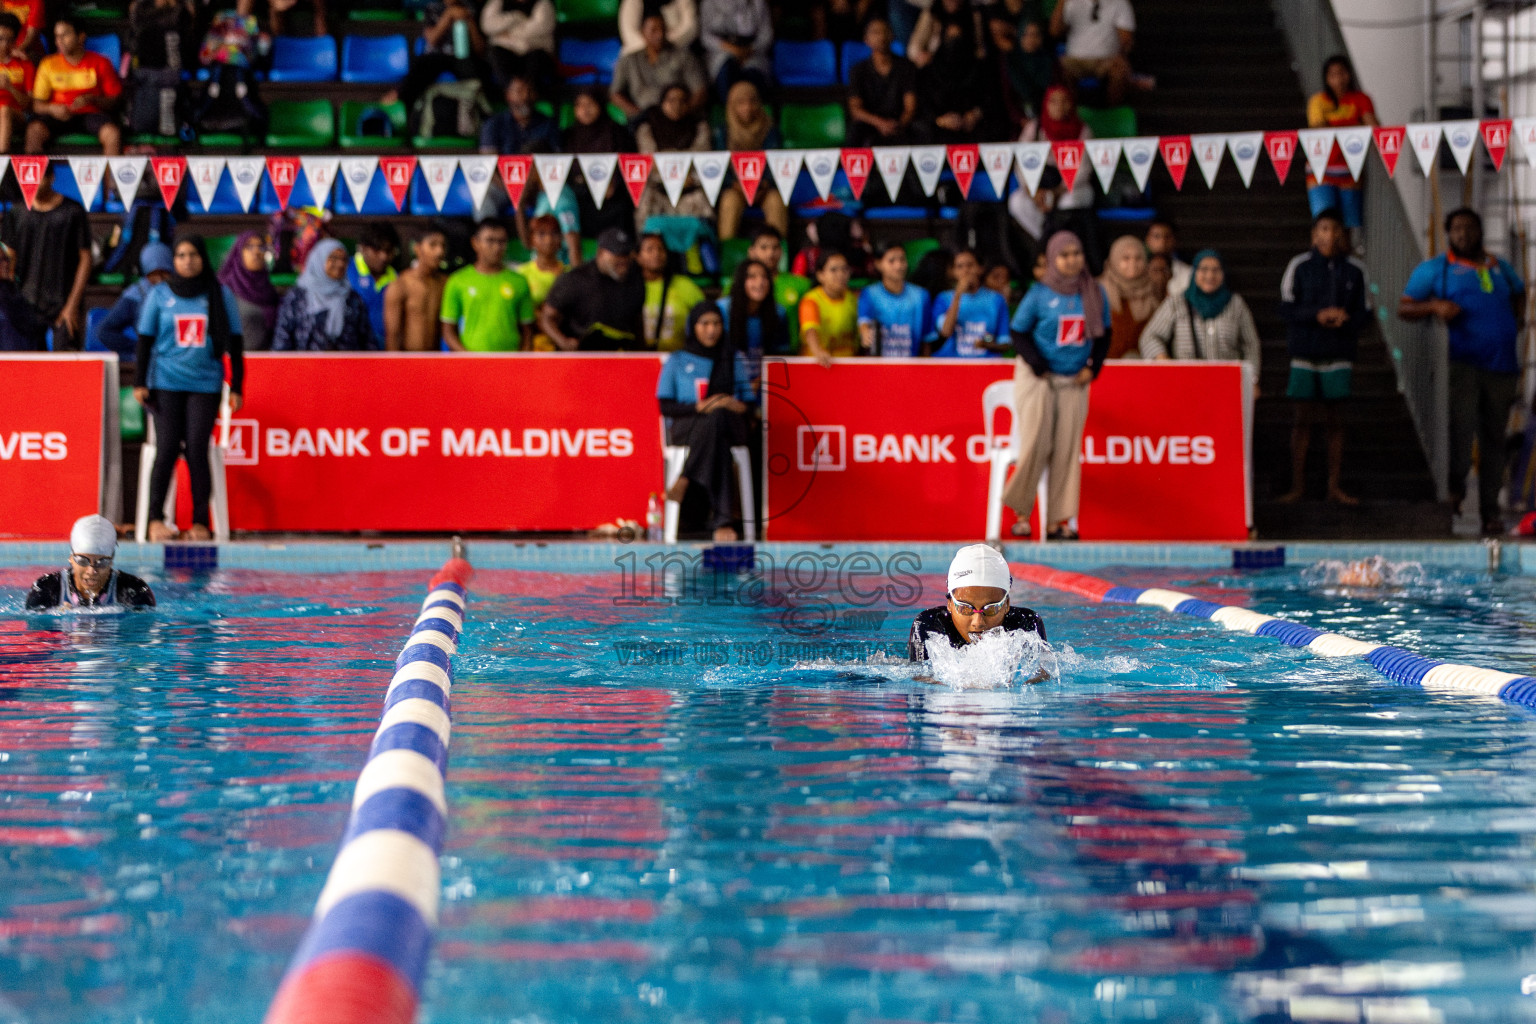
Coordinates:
(492, 301)
(668, 296)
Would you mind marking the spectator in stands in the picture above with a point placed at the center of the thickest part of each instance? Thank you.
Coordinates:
(371, 270)
(592, 130)
(452, 45)
(321, 312)
(758, 326)
(282, 9)
(1207, 322)
(969, 321)
(668, 296)
(1061, 334)
(833, 232)
(1160, 271)
(520, 128)
(882, 92)
(155, 267)
(163, 46)
(680, 16)
(950, 50)
(186, 327)
(52, 243)
(829, 313)
(672, 127)
(699, 395)
(1099, 36)
(1030, 66)
(738, 43)
(21, 329)
(1132, 300)
(30, 19)
(748, 128)
(234, 38)
(486, 305)
(767, 246)
(1163, 240)
(641, 78)
(521, 34)
(566, 210)
(1053, 205)
(76, 91)
(247, 275)
(934, 272)
(1340, 104)
(413, 302)
(543, 269)
(893, 312)
(17, 77)
(599, 305)
(999, 278)
(1481, 301)
(839, 20)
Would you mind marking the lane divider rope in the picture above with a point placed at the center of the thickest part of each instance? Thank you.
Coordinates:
(1396, 663)
(364, 956)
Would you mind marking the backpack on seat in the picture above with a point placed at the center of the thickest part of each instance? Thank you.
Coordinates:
(451, 110)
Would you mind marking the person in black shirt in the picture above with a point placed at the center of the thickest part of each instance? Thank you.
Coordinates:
(598, 306)
(52, 243)
(90, 581)
(978, 603)
(882, 92)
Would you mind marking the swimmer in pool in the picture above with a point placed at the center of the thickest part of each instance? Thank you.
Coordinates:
(89, 581)
(978, 603)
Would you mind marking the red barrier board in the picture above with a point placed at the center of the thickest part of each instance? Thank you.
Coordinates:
(361, 441)
(896, 449)
(51, 453)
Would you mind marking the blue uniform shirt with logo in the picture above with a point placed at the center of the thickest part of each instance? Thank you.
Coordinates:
(1056, 324)
(685, 378)
(983, 315)
(1486, 332)
(183, 353)
(902, 318)
(371, 290)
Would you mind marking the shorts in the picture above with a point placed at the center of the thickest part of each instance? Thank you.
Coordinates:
(1312, 381)
(1347, 199)
(80, 124)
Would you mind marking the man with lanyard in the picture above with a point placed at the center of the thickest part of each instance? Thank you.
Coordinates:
(978, 603)
(89, 581)
(1481, 300)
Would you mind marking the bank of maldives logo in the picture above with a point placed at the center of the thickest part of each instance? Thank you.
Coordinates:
(244, 443)
(821, 449)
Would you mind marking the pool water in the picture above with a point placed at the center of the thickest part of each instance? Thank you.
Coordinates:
(735, 810)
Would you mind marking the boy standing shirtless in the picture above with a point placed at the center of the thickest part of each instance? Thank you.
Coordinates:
(415, 298)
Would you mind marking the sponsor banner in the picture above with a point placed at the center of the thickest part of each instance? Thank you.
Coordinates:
(52, 458)
(476, 442)
(897, 449)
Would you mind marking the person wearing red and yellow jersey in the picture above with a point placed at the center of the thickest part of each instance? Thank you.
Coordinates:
(75, 91)
(29, 16)
(16, 77)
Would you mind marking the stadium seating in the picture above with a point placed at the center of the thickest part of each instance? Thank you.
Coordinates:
(589, 61)
(303, 59)
(218, 248)
(352, 112)
(108, 45)
(1109, 122)
(812, 125)
(591, 12)
(854, 51)
(917, 248)
(301, 124)
(805, 64)
(375, 59)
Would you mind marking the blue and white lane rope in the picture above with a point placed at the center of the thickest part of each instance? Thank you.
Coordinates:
(364, 955)
(1397, 664)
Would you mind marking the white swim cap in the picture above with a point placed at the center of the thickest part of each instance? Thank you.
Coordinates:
(93, 535)
(977, 565)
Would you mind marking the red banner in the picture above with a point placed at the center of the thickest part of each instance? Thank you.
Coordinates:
(896, 449)
(29, 175)
(169, 170)
(283, 173)
(1389, 146)
(51, 458)
(514, 176)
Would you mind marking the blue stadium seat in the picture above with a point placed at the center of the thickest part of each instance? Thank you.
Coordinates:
(93, 319)
(376, 59)
(855, 51)
(303, 59)
(811, 63)
(109, 46)
(592, 60)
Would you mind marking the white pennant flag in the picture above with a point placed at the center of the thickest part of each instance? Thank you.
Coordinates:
(597, 170)
(822, 165)
(357, 174)
(1425, 139)
(1462, 137)
(1104, 155)
(1356, 145)
(711, 168)
(1317, 146)
(204, 173)
(127, 173)
(997, 161)
(1525, 130)
(89, 171)
(672, 169)
(1031, 158)
(553, 169)
(891, 162)
(1208, 151)
(1140, 154)
(1245, 148)
(929, 163)
(245, 172)
(785, 165)
(479, 172)
(438, 172)
(320, 176)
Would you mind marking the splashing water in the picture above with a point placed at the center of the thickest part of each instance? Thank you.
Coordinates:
(997, 660)
(1371, 572)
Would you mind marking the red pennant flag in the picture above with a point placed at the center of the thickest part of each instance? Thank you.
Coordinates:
(750, 166)
(1069, 160)
(514, 176)
(397, 171)
(1281, 147)
(1496, 140)
(282, 172)
(169, 170)
(1389, 145)
(1175, 150)
(635, 169)
(857, 164)
(29, 174)
(963, 161)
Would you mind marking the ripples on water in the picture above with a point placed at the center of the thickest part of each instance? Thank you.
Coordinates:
(1183, 825)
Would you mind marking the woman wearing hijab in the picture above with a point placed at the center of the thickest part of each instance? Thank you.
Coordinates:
(592, 129)
(669, 127)
(1061, 334)
(949, 49)
(1207, 321)
(1054, 207)
(246, 275)
(1132, 300)
(700, 393)
(321, 312)
(748, 128)
(186, 327)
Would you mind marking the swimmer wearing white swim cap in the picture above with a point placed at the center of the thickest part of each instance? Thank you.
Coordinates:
(89, 580)
(978, 603)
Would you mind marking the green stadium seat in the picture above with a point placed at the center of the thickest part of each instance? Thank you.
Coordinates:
(77, 139)
(443, 143)
(284, 280)
(733, 252)
(573, 12)
(568, 114)
(130, 415)
(102, 10)
(917, 248)
(1109, 122)
(218, 248)
(352, 111)
(788, 290)
(301, 124)
(812, 125)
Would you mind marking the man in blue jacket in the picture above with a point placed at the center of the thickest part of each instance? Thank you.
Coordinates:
(1323, 303)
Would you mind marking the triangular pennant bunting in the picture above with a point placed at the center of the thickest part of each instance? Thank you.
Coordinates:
(1461, 136)
(672, 169)
(750, 166)
(515, 172)
(89, 172)
(1069, 161)
(928, 161)
(1496, 140)
(1245, 148)
(891, 162)
(397, 172)
(997, 161)
(204, 172)
(821, 165)
(169, 171)
(1208, 150)
(597, 172)
(357, 174)
(1104, 156)
(553, 169)
(29, 176)
(1524, 129)
(127, 175)
(438, 172)
(1174, 150)
(636, 168)
(1355, 144)
(1389, 146)
(1281, 147)
(1031, 158)
(283, 173)
(1425, 140)
(785, 165)
(710, 168)
(1317, 146)
(479, 172)
(245, 174)
(320, 175)
(1140, 154)
(858, 164)
(963, 160)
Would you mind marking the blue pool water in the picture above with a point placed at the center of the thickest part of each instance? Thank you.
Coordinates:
(1188, 825)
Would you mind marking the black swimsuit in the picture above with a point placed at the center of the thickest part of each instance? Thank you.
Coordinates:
(938, 622)
(57, 590)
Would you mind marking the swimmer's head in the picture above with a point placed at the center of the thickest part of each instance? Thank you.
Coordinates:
(92, 546)
(1362, 573)
(978, 585)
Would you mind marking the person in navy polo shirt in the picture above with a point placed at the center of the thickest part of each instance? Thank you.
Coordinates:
(1482, 302)
(893, 312)
(970, 322)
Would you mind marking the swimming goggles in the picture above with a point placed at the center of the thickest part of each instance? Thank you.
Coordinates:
(87, 562)
(987, 610)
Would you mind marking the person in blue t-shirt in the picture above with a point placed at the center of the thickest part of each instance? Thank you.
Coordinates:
(763, 331)
(697, 394)
(114, 332)
(974, 325)
(1061, 333)
(372, 270)
(1482, 302)
(893, 313)
(186, 327)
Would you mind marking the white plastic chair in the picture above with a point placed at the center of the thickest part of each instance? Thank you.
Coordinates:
(218, 498)
(674, 456)
(1001, 456)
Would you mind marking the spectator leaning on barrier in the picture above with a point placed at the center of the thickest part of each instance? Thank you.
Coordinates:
(1132, 300)
(246, 273)
(1481, 301)
(757, 324)
(969, 321)
(893, 312)
(681, 18)
(52, 243)
(640, 78)
(371, 269)
(521, 34)
(668, 297)
(486, 305)
(321, 312)
(1207, 322)
(1163, 240)
(738, 43)
(829, 313)
(599, 306)
(882, 92)
(748, 127)
(17, 77)
(76, 91)
(1324, 305)
(155, 267)
(1099, 35)
(1340, 104)
(413, 302)
(21, 329)
(520, 128)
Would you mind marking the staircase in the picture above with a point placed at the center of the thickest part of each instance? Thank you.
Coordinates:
(1223, 65)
